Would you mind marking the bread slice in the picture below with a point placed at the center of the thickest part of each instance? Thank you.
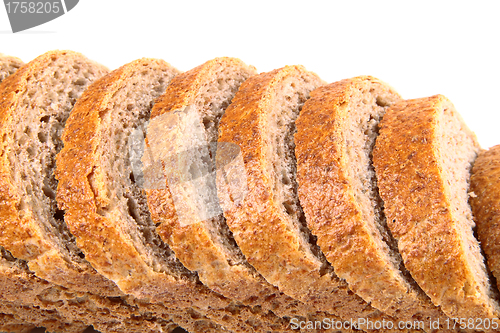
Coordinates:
(258, 193)
(485, 203)
(105, 206)
(423, 158)
(183, 135)
(96, 190)
(19, 316)
(34, 104)
(337, 187)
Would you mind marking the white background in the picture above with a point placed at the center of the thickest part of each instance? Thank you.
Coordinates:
(421, 48)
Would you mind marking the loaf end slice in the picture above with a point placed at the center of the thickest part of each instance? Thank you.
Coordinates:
(20, 310)
(423, 159)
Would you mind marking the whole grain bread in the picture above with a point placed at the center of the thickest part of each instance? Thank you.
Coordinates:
(30, 316)
(485, 203)
(11, 324)
(34, 104)
(95, 189)
(13, 290)
(182, 135)
(105, 206)
(423, 158)
(18, 315)
(45, 89)
(23, 290)
(337, 187)
(258, 193)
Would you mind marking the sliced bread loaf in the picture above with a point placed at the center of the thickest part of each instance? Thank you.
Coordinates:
(423, 158)
(34, 104)
(485, 203)
(258, 193)
(336, 132)
(105, 205)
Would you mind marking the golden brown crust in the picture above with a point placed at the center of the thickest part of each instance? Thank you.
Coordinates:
(44, 300)
(485, 204)
(22, 289)
(333, 213)
(410, 181)
(23, 236)
(184, 87)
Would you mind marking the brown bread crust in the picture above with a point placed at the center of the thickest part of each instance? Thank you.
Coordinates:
(24, 236)
(10, 324)
(409, 174)
(32, 316)
(485, 204)
(333, 213)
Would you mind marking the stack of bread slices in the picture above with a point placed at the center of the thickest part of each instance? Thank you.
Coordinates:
(146, 199)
